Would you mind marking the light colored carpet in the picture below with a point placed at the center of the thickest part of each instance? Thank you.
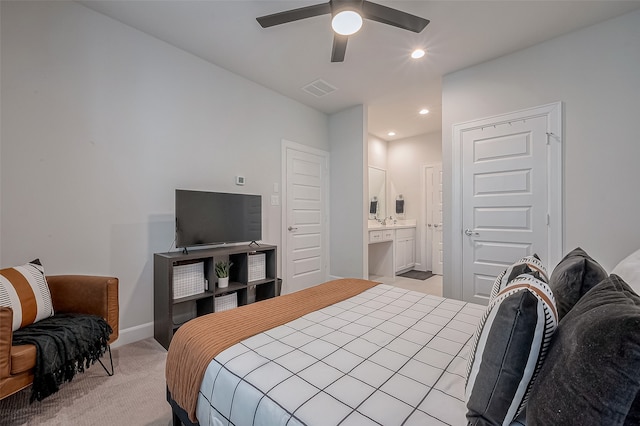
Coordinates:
(134, 395)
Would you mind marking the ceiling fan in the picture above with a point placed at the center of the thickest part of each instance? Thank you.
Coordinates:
(347, 19)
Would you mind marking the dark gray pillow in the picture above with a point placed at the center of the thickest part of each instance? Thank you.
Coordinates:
(591, 376)
(574, 276)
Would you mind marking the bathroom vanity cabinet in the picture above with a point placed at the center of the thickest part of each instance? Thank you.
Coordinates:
(391, 249)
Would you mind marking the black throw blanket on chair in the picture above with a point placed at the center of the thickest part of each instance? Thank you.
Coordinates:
(66, 344)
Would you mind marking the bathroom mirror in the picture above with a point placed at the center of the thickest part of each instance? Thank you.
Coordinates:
(378, 189)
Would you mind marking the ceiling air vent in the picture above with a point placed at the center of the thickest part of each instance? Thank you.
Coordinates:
(319, 88)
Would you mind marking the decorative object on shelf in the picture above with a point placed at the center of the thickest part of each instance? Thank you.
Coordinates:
(222, 272)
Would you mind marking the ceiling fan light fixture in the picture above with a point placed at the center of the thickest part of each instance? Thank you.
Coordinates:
(347, 22)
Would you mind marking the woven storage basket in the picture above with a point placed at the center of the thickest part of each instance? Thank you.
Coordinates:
(257, 267)
(226, 302)
(188, 280)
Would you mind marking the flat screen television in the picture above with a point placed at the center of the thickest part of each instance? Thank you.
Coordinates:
(213, 218)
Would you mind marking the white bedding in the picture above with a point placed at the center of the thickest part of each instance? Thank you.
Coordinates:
(387, 356)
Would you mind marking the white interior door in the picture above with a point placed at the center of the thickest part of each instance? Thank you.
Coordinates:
(504, 200)
(305, 260)
(428, 219)
(436, 209)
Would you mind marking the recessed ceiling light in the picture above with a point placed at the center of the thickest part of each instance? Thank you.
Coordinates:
(424, 111)
(391, 134)
(417, 54)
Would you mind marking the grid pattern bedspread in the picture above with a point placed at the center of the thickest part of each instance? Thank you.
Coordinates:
(387, 356)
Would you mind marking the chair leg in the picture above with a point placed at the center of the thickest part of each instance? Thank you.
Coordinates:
(175, 419)
(109, 373)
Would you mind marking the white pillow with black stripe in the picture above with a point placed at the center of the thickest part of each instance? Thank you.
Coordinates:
(24, 289)
(509, 348)
(527, 265)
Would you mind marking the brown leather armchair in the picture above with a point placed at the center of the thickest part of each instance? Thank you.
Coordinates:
(81, 294)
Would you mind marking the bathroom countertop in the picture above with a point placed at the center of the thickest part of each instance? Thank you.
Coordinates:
(373, 226)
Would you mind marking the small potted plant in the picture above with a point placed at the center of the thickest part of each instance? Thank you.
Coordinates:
(222, 272)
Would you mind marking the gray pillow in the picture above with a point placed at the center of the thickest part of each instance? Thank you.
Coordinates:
(591, 376)
(574, 276)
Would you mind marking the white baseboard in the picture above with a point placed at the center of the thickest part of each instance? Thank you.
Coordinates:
(133, 334)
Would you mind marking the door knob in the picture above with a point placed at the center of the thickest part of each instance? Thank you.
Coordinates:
(291, 228)
(470, 233)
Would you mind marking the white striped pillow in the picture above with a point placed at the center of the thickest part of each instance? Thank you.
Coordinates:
(527, 265)
(24, 289)
(508, 351)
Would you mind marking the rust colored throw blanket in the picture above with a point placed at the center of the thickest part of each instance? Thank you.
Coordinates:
(198, 341)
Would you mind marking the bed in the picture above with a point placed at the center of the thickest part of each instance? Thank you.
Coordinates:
(549, 349)
(383, 355)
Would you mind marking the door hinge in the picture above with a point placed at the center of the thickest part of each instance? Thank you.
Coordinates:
(548, 219)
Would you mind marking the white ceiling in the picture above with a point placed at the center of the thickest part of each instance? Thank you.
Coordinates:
(377, 70)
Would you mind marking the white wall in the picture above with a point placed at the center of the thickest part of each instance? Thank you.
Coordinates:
(405, 160)
(348, 192)
(595, 73)
(100, 123)
(377, 152)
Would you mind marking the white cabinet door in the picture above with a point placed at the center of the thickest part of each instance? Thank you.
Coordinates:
(400, 255)
(405, 249)
(411, 252)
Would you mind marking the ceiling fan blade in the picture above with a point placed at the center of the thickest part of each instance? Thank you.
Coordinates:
(339, 47)
(294, 15)
(397, 18)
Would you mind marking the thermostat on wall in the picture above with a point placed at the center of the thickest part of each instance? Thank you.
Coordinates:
(239, 180)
